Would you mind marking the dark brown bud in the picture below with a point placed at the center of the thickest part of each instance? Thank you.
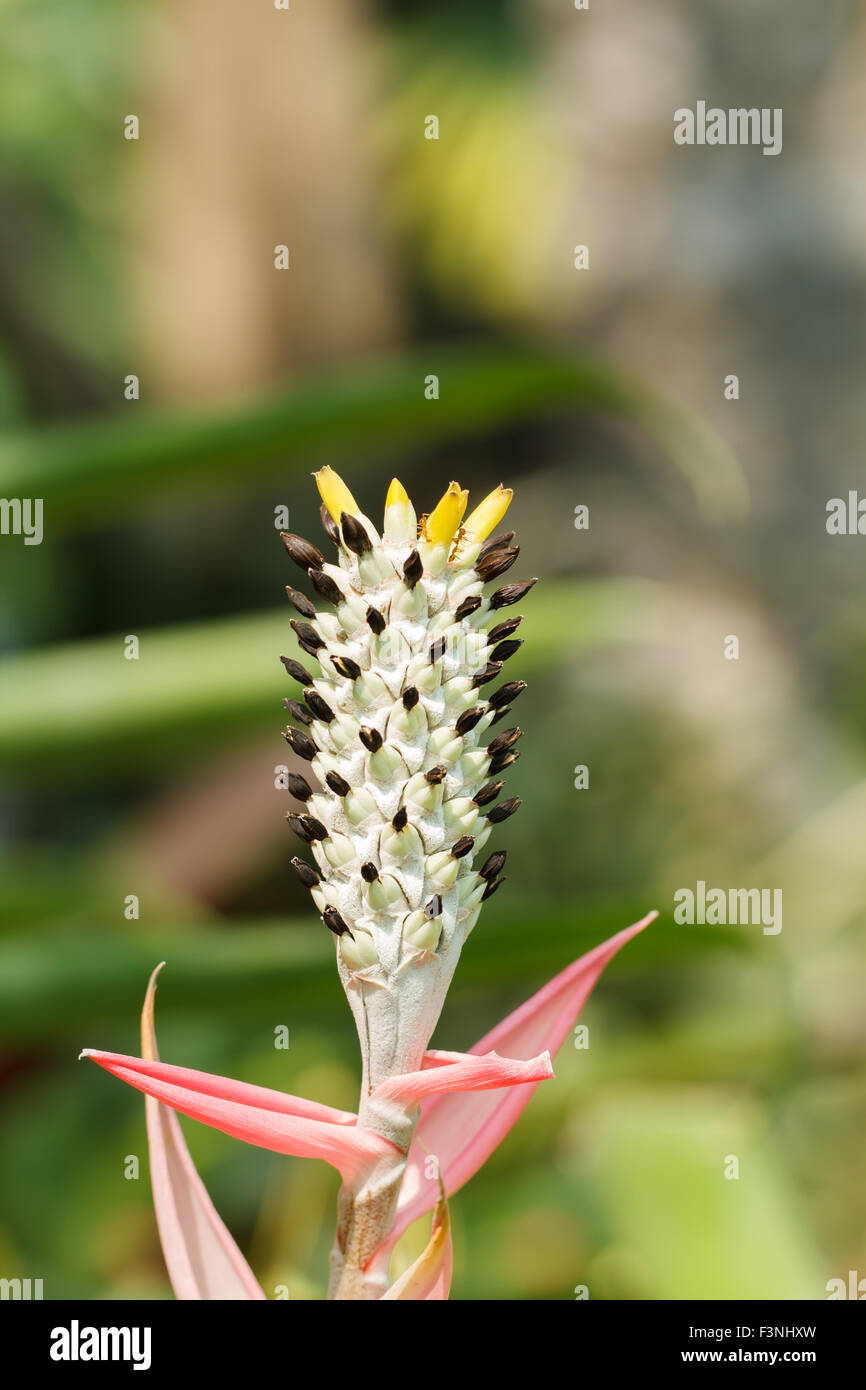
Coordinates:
(302, 552)
(355, 535)
(326, 586)
(334, 922)
(296, 670)
(299, 712)
(413, 569)
(401, 819)
(506, 693)
(491, 888)
(436, 775)
(299, 786)
(410, 698)
(309, 876)
(503, 810)
(330, 525)
(469, 718)
(371, 739)
(488, 793)
(511, 593)
(496, 562)
(369, 872)
(496, 543)
(307, 636)
(493, 864)
(321, 709)
(504, 629)
(490, 672)
(346, 667)
(302, 744)
(307, 827)
(337, 783)
(506, 649)
(503, 741)
(468, 607)
(433, 908)
(300, 602)
(437, 649)
(502, 761)
(462, 846)
(375, 620)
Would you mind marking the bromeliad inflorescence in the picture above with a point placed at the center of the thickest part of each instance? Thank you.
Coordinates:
(395, 729)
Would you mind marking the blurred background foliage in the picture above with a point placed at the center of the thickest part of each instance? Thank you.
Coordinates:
(156, 777)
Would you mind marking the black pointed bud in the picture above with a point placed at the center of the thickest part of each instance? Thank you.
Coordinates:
(371, 739)
(355, 535)
(307, 827)
(346, 667)
(491, 888)
(511, 593)
(321, 709)
(490, 672)
(506, 693)
(496, 562)
(334, 922)
(462, 846)
(299, 712)
(309, 876)
(369, 872)
(506, 649)
(401, 819)
(410, 698)
(307, 636)
(502, 761)
(496, 543)
(299, 786)
(504, 740)
(503, 810)
(329, 524)
(493, 865)
(488, 793)
(435, 775)
(296, 670)
(412, 569)
(338, 784)
(437, 649)
(505, 629)
(302, 744)
(327, 587)
(467, 607)
(433, 908)
(375, 621)
(469, 718)
(302, 552)
(300, 602)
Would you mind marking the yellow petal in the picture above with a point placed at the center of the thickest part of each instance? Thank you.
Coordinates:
(400, 521)
(335, 495)
(487, 514)
(446, 515)
(397, 494)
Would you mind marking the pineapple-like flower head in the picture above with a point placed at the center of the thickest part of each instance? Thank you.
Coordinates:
(411, 634)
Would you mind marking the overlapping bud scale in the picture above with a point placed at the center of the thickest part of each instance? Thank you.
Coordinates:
(396, 722)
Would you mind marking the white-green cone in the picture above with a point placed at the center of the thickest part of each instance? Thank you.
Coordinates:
(396, 730)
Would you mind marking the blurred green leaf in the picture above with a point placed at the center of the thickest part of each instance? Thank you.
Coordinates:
(194, 683)
(98, 468)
